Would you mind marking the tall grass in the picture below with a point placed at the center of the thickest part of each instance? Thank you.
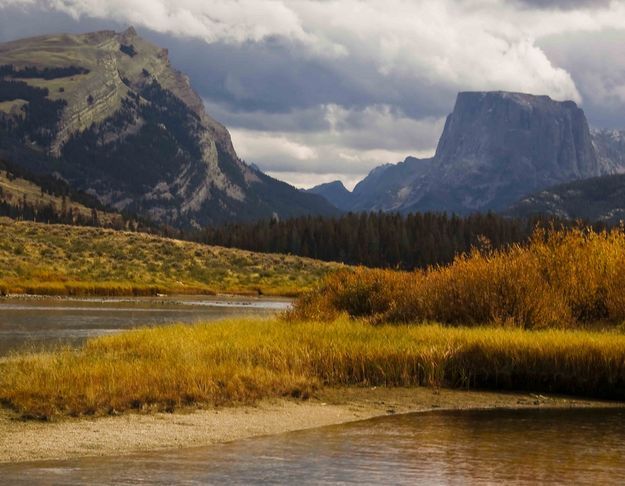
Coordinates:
(561, 279)
(242, 361)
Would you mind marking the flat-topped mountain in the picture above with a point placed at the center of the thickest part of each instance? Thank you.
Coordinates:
(496, 148)
(106, 112)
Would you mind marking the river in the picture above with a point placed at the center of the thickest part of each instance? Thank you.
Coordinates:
(38, 323)
(468, 447)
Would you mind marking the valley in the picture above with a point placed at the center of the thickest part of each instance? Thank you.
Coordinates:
(158, 292)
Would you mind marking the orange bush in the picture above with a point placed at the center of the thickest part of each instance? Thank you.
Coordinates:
(560, 279)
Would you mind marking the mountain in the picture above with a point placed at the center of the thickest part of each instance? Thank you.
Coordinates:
(595, 199)
(335, 193)
(108, 114)
(610, 149)
(496, 147)
(387, 188)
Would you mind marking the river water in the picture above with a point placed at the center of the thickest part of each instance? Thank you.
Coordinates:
(47, 322)
(479, 447)
(487, 447)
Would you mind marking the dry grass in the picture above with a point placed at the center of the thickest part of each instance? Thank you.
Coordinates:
(68, 260)
(559, 280)
(245, 360)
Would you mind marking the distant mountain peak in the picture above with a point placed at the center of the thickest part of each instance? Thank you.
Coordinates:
(130, 32)
(335, 193)
(496, 147)
(333, 184)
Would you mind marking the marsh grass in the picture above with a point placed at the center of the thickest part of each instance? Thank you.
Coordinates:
(245, 360)
(561, 279)
(69, 260)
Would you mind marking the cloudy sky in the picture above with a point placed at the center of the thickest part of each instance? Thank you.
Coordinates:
(317, 90)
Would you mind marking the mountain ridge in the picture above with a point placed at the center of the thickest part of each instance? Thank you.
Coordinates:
(124, 126)
(598, 199)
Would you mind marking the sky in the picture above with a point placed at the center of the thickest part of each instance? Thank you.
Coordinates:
(318, 90)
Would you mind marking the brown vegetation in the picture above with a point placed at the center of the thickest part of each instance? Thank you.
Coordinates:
(561, 279)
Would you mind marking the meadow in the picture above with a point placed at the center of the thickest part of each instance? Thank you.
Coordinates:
(544, 317)
(241, 361)
(69, 260)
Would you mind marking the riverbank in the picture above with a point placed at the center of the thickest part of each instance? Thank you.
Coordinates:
(22, 441)
(245, 361)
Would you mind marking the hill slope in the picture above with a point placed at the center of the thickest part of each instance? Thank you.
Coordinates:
(49, 200)
(595, 199)
(108, 113)
(58, 259)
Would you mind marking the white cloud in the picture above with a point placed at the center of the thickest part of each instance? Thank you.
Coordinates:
(475, 44)
(354, 142)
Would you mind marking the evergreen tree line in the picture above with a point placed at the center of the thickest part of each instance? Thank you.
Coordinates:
(40, 115)
(24, 210)
(49, 184)
(48, 213)
(385, 240)
(47, 73)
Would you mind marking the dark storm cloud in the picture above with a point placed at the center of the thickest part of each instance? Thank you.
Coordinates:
(273, 76)
(597, 61)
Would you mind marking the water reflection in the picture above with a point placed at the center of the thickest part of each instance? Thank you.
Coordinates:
(49, 322)
(488, 447)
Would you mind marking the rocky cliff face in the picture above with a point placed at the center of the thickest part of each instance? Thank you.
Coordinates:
(610, 149)
(125, 126)
(496, 148)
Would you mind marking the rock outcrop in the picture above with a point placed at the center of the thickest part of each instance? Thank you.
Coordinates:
(610, 149)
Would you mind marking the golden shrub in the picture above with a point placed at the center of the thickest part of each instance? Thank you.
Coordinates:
(559, 279)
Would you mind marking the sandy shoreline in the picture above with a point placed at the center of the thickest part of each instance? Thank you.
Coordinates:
(130, 433)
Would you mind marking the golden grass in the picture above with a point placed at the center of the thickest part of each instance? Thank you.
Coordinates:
(68, 260)
(561, 279)
(245, 360)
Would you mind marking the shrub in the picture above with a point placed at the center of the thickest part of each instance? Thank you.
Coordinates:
(559, 279)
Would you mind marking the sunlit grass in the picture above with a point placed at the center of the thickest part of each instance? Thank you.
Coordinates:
(246, 360)
(68, 260)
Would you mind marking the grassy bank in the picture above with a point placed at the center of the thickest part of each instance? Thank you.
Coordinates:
(565, 279)
(242, 361)
(69, 260)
